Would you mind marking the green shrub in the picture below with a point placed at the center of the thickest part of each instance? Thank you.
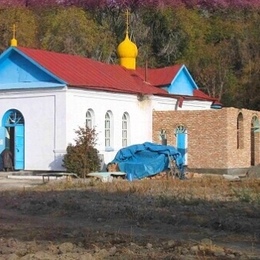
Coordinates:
(82, 157)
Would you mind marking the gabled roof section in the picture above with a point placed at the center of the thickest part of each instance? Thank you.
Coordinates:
(159, 77)
(198, 93)
(176, 79)
(82, 72)
(18, 71)
(183, 83)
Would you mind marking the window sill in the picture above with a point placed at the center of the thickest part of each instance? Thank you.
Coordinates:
(109, 149)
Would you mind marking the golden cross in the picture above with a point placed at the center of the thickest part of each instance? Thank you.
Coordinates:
(127, 20)
(14, 30)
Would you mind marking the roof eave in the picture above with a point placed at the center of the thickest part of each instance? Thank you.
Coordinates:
(107, 89)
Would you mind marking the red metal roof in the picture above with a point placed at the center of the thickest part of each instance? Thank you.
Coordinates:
(159, 76)
(87, 73)
(78, 71)
(201, 95)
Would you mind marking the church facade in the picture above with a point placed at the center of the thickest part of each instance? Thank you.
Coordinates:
(46, 96)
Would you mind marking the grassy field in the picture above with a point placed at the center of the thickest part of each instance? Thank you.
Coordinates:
(207, 217)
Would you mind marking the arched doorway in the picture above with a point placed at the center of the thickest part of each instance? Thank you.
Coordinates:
(255, 132)
(12, 136)
(182, 142)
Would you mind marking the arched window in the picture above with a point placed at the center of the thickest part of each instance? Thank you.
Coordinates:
(90, 118)
(13, 117)
(240, 131)
(108, 131)
(125, 129)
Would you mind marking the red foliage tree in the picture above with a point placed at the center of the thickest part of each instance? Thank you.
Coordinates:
(133, 4)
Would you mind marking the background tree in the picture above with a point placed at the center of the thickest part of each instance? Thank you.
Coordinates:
(247, 93)
(219, 41)
(25, 21)
(82, 157)
(213, 65)
(71, 30)
(164, 40)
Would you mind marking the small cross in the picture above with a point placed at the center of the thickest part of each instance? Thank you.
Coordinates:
(14, 30)
(127, 20)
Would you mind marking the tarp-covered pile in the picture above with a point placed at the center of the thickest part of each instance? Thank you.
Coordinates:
(147, 159)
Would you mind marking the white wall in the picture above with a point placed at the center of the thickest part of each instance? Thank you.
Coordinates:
(100, 102)
(166, 104)
(163, 103)
(39, 111)
(139, 110)
(52, 116)
(195, 105)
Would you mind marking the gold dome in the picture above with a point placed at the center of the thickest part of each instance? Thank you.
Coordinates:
(127, 49)
(127, 52)
(14, 42)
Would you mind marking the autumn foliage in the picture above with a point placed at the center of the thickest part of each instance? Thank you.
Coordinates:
(218, 40)
(82, 157)
(135, 3)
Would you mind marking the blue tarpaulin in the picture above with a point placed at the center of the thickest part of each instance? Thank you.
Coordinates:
(147, 159)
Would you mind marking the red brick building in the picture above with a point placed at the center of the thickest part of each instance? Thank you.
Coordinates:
(225, 140)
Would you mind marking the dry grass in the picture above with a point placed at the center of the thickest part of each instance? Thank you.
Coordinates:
(224, 212)
(207, 188)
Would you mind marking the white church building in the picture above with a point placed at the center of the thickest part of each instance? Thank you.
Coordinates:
(46, 96)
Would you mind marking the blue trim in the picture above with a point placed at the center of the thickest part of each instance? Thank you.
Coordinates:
(2, 141)
(7, 54)
(183, 67)
(7, 115)
(39, 66)
(31, 85)
(19, 147)
(216, 106)
(183, 83)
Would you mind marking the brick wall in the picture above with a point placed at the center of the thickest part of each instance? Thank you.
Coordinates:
(212, 136)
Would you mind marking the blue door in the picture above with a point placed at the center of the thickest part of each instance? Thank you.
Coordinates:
(12, 136)
(181, 142)
(19, 147)
(2, 138)
(2, 144)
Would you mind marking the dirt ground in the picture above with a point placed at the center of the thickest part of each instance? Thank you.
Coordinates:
(198, 218)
